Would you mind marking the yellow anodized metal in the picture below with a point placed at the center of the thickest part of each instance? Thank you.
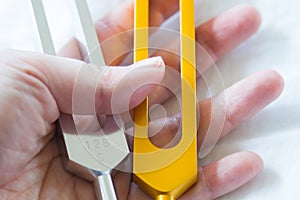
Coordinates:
(167, 173)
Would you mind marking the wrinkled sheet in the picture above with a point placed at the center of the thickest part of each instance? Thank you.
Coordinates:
(274, 133)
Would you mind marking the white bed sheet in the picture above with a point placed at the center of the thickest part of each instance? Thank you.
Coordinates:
(273, 133)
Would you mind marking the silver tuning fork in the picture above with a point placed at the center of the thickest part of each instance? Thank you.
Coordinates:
(91, 155)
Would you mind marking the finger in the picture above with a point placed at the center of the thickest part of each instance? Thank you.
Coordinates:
(137, 193)
(225, 175)
(60, 74)
(219, 35)
(118, 28)
(242, 101)
(122, 184)
(227, 31)
(215, 38)
(121, 20)
(217, 178)
(162, 10)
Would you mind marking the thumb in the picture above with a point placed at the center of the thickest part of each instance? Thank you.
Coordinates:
(76, 85)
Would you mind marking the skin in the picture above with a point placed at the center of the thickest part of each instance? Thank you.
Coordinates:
(35, 88)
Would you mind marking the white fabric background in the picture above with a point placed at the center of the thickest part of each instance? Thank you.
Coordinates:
(273, 133)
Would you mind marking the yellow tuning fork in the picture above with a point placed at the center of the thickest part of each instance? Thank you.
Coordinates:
(165, 174)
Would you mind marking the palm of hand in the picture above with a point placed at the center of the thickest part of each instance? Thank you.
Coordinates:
(44, 177)
(33, 167)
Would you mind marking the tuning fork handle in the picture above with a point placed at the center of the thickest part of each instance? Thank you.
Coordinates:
(164, 197)
(104, 187)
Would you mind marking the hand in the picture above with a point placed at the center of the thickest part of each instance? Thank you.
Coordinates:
(35, 88)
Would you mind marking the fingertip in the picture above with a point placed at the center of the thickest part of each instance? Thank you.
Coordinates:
(154, 62)
(277, 81)
(248, 20)
(253, 162)
(242, 166)
(252, 15)
(123, 88)
(271, 83)
(251, 95)
(153, 73)
(231, 172)
(225, 175)
(228, 30)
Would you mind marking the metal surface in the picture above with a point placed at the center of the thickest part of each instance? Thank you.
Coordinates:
(89, 43)
(43, 28)
(104, 187)
(167, 173)
(89, 155)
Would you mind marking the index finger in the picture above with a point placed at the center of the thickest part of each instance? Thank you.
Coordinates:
(121, 20)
